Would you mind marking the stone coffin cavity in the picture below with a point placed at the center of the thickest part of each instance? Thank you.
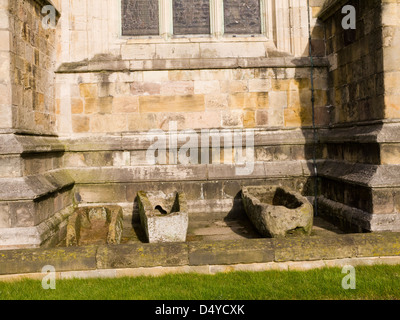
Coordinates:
(163, 217)
(95, 225)
(277, 212)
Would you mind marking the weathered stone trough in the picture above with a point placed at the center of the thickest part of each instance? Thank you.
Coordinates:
(163, 217)
(277, 211)
(95, 225)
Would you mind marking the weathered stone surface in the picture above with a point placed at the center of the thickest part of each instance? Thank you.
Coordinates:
(33, 260)
(366, 175)
(32, 46)
(276, 211)
(142, 255)
(231, 252)
(377, 244)
(310, 248)
(162, 173)
(90, 225)
(163, 217)
(17, 144)
(100, 193)
(245, 82)
(187, 103)
(336, 249)
(34, 187)
(48, 231)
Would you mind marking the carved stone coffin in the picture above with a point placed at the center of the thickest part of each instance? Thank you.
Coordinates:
(163, 217)
(277, 211)
(95, 225)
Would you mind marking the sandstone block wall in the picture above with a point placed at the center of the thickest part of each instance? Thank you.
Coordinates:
(35, 193)
(219, 98)
(356, 75)
(5, 69)
(32, 56)
(359, 180)
(112, 83)
(79, 100)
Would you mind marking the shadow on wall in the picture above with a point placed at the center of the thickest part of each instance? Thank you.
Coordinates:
(340, 115)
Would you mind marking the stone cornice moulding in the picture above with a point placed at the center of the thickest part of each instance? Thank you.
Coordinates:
(24, 144)
(330, 7)
(34, 188)
(118, 65)
(43, 3)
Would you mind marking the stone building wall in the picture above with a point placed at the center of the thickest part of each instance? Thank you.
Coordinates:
(112, 102)
(357, 76)
(35, 193)
(32, 54)
(142, 83)
(110, 90)
(113, 89)
(5, 58)
(360, 181)
(80, 100)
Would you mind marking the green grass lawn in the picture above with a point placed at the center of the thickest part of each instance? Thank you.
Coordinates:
(377, 282)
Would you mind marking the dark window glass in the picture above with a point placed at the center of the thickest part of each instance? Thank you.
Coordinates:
(191, 17)
(140, 17)
(242, 16)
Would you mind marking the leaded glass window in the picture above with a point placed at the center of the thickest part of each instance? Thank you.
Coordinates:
(242, 16)
(140, 17)
(191, 17)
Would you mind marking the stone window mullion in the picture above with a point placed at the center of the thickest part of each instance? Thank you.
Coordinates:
(267, 21)
(166, 19)
(217, 18)
(282, 25)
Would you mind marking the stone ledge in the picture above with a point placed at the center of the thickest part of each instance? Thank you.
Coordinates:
(200, 172)
(43, 234)
(118, 65)
(142, 255)
(308, 249)
(142, 141)
(373, 133)
(34, 187)
(231, 252)
(33, 260)
(330, 7)
(24, 144)
(208, 269)
(355, 219)
(372, 176)
(200, 255)
(363, 135)
(43, 3)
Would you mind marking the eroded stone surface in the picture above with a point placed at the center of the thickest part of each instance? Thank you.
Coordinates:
(276, 211)
(95, 225)
(164, 217)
